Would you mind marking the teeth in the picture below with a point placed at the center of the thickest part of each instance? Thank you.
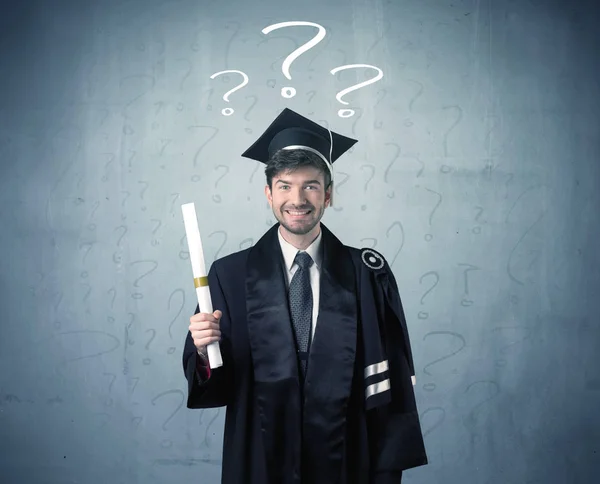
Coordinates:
(298, 213)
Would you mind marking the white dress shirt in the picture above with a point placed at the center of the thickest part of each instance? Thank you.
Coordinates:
(289, 254)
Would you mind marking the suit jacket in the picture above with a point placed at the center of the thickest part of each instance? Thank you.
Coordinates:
(349, 424)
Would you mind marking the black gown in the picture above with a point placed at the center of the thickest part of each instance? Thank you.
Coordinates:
(277, 433)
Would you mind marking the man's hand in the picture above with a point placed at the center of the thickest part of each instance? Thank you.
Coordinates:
(205, 329)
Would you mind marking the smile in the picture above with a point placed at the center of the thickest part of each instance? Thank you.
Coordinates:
(298, 214)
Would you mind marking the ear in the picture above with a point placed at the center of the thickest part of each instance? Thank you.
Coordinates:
(269, 195)
(328, 195)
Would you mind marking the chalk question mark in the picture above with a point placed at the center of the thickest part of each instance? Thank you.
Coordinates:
(230, 111)
(346, 113)
(289, 92)
(167, 443)
(138, 295)
(432, 386)
(428, 237)
(364, 207)
(172, 349)
(147, 361)
(424, 314)
(217, 198)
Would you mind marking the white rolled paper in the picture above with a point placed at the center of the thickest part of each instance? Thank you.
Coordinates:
(200, 275)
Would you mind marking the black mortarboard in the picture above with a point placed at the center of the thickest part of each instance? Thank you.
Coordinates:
(290, 131)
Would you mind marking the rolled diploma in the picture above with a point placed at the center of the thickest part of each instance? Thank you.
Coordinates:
(200, 275)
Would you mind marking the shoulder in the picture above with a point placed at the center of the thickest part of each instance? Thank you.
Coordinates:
(370, 259)
(231, 262)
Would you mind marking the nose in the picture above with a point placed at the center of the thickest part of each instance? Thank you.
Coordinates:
(297, 196)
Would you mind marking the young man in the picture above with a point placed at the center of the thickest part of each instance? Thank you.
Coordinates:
(317, 372)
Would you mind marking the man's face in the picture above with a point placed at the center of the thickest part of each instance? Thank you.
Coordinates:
(298, 199)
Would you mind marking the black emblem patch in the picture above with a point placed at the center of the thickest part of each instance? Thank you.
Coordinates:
(372, 259)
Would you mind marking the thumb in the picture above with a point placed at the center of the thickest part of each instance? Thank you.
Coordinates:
(217, 314)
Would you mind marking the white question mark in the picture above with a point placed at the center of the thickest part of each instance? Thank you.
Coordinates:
(229, 111)
(346, 113)
(289, 92)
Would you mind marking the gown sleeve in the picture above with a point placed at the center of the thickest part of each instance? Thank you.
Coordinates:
(397, 438)
(210, 388)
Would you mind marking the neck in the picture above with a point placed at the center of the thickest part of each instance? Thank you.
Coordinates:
(301, 242)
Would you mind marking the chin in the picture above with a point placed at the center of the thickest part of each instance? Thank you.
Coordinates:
(298, 228)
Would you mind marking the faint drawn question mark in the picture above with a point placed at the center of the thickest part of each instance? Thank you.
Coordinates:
(346, 113)
(217, 198)
(385, 173)
(89, 245)
(408, 122)
(183, 254)
(92, 226)
(187, 74)
(456, 121)
(128, 340)
(249, 241)
(147, 361)
(206, 439)
(471, 420)
(509, 270)
(175, 198)
(222, 245)
(172, 349)
(127, 195)
(424, 314)
(109, 401)
(477, 229)
(290, 92)
(230, 111)
(369, 238)
(143, 191)
(114, 295)
(117, 254)
(110, 160)
(428, 237)
(135, 283)
(87, 295)
(337, 186)
(195, 178)
(387, 234)
(364, 207)
(166, 442)
(449, 333)
(437, 422)
(249, 130)
(159, 223)
(465, 301)
(379, 124)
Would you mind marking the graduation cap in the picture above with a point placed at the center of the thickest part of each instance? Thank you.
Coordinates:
(291, 131)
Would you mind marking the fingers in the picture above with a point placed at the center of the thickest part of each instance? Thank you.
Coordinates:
(205, 328)
(214, 317)
(204, 342)
(205, 337)
(203, 325)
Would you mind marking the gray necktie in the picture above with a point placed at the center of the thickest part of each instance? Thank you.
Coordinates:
(301, 305)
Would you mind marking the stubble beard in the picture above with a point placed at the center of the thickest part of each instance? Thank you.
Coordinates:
(300, 229)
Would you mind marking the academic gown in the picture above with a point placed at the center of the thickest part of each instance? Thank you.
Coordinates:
(277, 432)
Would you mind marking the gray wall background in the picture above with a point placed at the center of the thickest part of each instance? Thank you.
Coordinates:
(475, 175)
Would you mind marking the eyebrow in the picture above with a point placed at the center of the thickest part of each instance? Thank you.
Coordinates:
(308, 182)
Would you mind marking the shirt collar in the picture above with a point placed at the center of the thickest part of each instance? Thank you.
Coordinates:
(289, 251)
